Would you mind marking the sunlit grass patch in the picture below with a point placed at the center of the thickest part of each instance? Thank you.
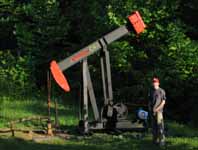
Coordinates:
(12, 108)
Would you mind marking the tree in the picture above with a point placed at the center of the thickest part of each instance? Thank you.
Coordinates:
(42, 33)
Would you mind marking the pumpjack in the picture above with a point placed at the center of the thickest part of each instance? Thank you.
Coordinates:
(111, 116)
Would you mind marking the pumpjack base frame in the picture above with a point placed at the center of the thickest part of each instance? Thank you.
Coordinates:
(122, 126)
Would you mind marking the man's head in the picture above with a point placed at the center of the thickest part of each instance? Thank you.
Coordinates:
(156, 83)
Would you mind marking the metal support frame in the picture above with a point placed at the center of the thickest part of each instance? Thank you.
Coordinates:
(106, 73)
(92, 97)
(85, 96)
(88, 93)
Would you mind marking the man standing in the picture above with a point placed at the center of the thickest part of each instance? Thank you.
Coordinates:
(157, 99)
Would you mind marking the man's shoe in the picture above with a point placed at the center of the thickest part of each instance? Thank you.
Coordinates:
(162, 144)
(156, 142)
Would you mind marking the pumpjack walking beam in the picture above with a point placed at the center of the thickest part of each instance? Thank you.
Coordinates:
(135, 23)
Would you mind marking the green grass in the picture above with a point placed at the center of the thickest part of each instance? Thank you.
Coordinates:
(180, 137)
(180, 130)
(16, 108)
(98, 142)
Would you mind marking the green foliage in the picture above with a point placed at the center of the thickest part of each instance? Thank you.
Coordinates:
(182, 52)
(121, 53)
(43, 28)
(41, 33)
(14, 72)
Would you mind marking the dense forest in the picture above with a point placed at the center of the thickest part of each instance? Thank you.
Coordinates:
(34, 32)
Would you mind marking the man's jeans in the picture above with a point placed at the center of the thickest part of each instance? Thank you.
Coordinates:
(158, 128)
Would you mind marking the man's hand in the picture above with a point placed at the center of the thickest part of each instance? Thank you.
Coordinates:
(161, 106)
(155, 110)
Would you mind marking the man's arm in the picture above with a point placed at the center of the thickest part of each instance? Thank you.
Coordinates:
(161, 106)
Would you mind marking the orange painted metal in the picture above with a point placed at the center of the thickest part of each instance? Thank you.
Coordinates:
(80, 55)
(59, 76)
(137, 22)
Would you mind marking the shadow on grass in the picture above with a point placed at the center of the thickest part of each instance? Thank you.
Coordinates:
(95, 142)
(148, 145)
(181, 130)
(19, 144)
